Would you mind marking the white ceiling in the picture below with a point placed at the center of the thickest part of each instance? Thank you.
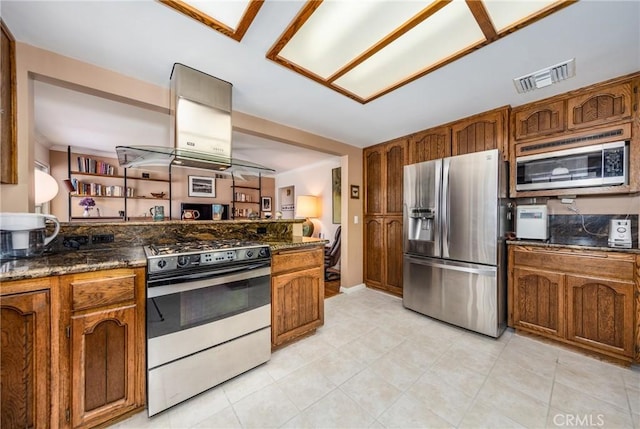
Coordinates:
(143, 39)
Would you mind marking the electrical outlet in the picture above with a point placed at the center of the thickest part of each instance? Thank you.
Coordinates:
(102, 238)
(75, 240)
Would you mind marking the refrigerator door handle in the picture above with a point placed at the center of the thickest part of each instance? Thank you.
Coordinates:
(444, 204)
(484, 271)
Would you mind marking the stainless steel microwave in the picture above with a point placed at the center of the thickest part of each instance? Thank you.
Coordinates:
(604, 164)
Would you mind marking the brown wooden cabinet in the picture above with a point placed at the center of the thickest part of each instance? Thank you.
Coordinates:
(25, 367)
(485, 131)
(430, 144)
(383, 256)
(582, 298)
(538, 119)
(384, 175)
(600, 113)
(600, 313)
(297, 294)
(538, 301)
(600, 105)
(107, 347)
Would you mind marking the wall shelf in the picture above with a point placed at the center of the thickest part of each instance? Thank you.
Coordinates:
(106, 184)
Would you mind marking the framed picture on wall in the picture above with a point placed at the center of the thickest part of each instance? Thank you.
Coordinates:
(265, 204)
(355, 192)
(202, 186)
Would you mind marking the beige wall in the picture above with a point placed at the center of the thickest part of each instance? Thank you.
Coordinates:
(35, 63)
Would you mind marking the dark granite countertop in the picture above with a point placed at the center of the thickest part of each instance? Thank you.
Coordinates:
(297, 242)
(572, 245)
(104, 258)
(69, 262)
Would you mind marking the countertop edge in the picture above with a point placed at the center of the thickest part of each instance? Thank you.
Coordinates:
(87, 261)
(571, 246)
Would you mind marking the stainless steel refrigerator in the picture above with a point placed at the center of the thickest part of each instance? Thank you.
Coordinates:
(455, 218)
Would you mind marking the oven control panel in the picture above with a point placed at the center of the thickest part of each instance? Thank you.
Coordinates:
(164, 263)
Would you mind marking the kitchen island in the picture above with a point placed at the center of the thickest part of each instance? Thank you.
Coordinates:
(71, 310)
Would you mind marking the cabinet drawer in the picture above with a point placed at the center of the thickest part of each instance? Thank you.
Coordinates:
(297, 260)
(101, 292)
(599, 264)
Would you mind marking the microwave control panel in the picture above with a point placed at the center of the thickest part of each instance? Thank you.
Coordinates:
(613, 162)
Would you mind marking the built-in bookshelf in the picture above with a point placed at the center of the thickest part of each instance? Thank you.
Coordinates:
(114, 186)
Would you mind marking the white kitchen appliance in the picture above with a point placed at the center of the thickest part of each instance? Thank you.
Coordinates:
(620, 233)
(532, 222)
(23, 235)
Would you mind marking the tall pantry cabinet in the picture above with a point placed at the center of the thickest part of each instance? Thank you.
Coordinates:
(383, 175)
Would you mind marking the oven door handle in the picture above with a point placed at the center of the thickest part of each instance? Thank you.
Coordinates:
(183, 283)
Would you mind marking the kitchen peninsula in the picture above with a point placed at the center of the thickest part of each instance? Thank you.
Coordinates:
(83, 306)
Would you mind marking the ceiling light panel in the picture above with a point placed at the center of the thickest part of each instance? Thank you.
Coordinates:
(339, 31)
(444, 34)
(504, 14)
(228, 12)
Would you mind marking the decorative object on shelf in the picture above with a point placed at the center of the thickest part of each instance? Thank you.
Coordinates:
(307, 207)
(88, 203)
(336, 190)
(267, 215)
(158, 194)
(265, 204)
(355, 192)
(157, 212)
(278, 215)
(202, 186)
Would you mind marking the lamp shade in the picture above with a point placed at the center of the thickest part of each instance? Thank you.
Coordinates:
(46, 187)
(306, 206)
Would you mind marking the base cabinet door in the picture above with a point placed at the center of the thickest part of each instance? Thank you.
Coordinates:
(103, 364)
(25, 362)
(299, 300)
(393, 255)
(373, 251)
(600, 314)
(538, 301)
(297, 294)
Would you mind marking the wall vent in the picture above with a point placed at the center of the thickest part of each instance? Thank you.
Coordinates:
(546, 77)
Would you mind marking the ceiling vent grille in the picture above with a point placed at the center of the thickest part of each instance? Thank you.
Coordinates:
(545, 77)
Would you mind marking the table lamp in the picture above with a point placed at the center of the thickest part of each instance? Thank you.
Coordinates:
(307, 207)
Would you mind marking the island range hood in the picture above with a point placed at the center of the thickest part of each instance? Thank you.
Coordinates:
(200, 128)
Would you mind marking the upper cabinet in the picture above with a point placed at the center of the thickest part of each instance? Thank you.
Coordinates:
(600, 106)
(430, 144)
(601, 113)
(383, 172)
(480, 132)
(536, 120)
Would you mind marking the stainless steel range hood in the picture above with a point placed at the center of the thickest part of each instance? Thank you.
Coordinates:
(200, 128)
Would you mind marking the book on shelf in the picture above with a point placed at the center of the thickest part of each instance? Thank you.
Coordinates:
(94, 166)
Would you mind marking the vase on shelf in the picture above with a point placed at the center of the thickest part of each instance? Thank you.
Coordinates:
(86, 212)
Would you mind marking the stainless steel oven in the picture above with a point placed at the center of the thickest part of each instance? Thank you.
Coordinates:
(208, 317)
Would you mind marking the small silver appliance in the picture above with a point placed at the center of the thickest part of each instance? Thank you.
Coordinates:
(532, 222)
(620, 233)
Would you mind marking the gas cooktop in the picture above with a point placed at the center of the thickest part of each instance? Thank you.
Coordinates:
(192, 254)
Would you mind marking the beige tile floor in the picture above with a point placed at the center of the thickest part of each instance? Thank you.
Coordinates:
(375, 364)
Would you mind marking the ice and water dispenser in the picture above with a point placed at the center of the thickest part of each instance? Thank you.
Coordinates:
(421, 223)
